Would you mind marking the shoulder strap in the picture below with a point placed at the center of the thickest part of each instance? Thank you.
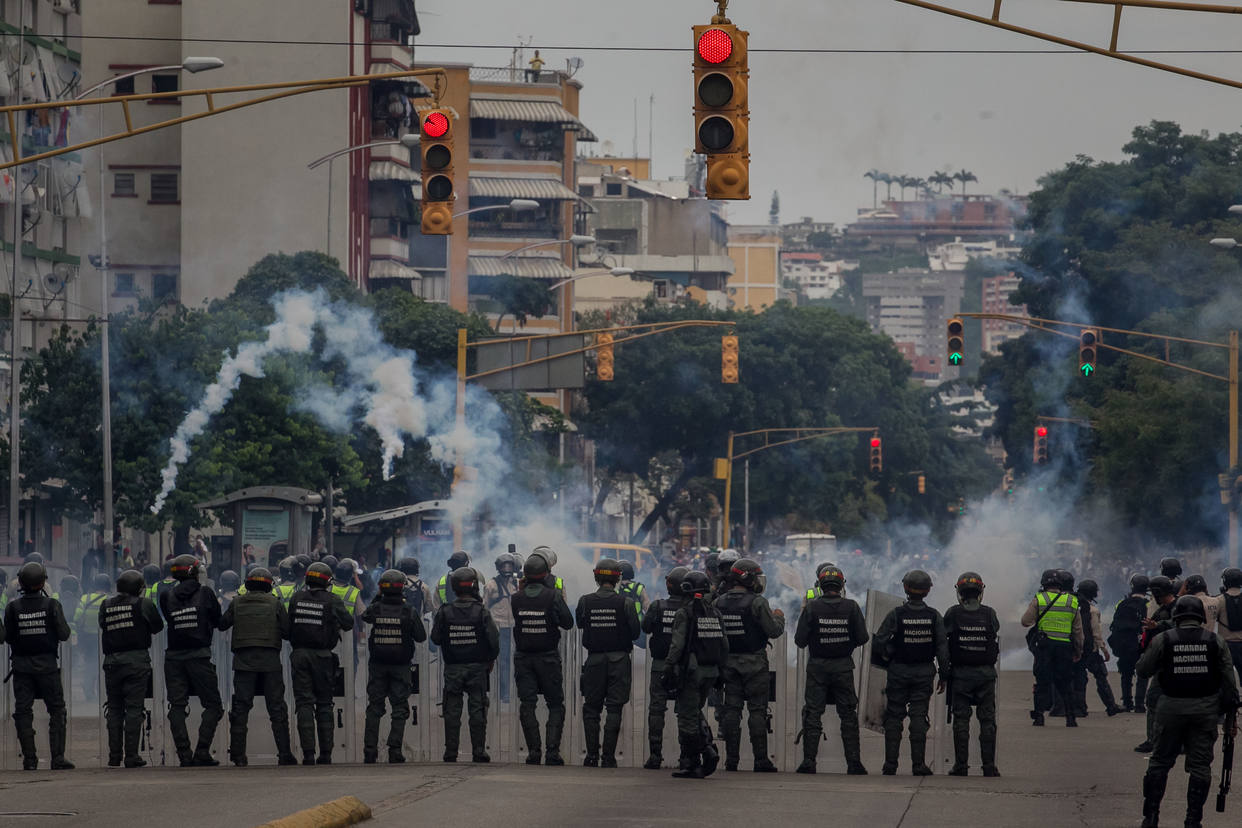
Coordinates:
(1049, 606)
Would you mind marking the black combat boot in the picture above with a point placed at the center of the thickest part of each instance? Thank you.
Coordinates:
(370, 756)
(1197, 790)
(202, 757)
(591, 731)
(1037, 718)
(612, 733)
(689, 766)
(1070, 720)
(1153, 792)
(395, 756)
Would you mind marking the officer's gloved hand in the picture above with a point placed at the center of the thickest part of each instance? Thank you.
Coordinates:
(672, 681)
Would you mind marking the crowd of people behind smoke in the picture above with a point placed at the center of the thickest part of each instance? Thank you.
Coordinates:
(1177, 646)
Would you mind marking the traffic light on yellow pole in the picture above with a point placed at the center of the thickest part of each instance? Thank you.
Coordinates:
(603, 357)
(728, 358)
(1087, 351)
(436, 146)
(721, 108)
(956, 342)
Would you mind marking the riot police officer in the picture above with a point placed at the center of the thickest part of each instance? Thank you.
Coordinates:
(496, 595)
(749, 623)
(396, 626)
(1124, 632)
(1171, 568)
(166, 582)
(1058, 638)
(292, 578)
(973, 631)
(1094, 654)
(725, 560)
(658, 625)
(466, 632)
(910, 638)
(632, 589)
(831, 627)
(86, 623)
(697, 652)
(1229, 614)
(34, 626)
(344, 587)
(316, 618)
(126, 623)
(417, 593)
(193, 613)
(227, 587)
(456, 561)
(1161, 619)
(609, 624)
(260, 623)
(1194, 671)
(539, 614)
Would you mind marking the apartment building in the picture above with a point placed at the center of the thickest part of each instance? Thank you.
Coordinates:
(912, 307)
(756, 252)
(996, 292)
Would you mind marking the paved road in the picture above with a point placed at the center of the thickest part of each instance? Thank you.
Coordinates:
(1052, 776)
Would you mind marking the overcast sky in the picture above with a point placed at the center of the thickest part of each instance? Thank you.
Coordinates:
(819, 121)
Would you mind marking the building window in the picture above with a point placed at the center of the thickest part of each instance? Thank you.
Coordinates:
(123, 185)
(587, 190)
(612, 188)
(124, 283)
(164, 188)
(482, 129)
(125, 86)
(164, 286)
(164, 83)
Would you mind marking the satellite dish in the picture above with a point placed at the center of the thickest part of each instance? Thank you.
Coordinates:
(60, 276)
(572, 65)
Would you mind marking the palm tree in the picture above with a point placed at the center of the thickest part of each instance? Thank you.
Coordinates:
(903, 181)
(874, 175)
(964, 176)
(920, 186)
(941, 179)
(888, 179)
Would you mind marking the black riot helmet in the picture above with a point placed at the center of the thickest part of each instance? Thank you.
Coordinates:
(545, 552)
(184, 567)
(150, 574)
(969, 585)
(409, 566)
(1195, 584)
(1231, 577)
(1139, 583)
(607, 571)
(318, 576)
(916, 582)
(330, 560)
(830, 577)
(1049, 579)
(536, 568)
(1160, 586)
(1065, 579)
(627, 571)
(346, 570)
(725, 561)
(302, 561)
(229, 581)
(746, 573)
(1189, 606)
(286, 568)
(392, 582)
(130, 583)
(674, 578)
(1170, 567)
(100, 583)
(458, 559)
(259, 580)
(464, 581)
(1088, 590)
(69, 585)
(696, 584)
(711, 565)
(33, 557)
(32, 576)
(506, 563)
(166, 568)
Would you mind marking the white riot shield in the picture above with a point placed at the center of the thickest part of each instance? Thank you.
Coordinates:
(503, 727)
(347, 742)
(8, 738)
(573, 742)
(417, 746)
(260, 743)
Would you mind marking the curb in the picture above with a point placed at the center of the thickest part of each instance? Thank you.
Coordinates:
(338, 813)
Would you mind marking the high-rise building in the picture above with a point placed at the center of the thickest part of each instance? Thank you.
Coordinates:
(996, 293)
(912, 307)
(756, 280)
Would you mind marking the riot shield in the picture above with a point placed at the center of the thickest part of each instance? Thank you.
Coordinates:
(260, 743)
(503, 728)
(347, 744)
(12, 760)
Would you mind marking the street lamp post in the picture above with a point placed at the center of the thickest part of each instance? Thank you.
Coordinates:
(615, 271)
(409, 141)
(192, 65)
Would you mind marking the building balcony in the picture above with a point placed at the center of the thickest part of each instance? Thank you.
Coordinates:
(396, 55)
(395, 153)
(389, 247)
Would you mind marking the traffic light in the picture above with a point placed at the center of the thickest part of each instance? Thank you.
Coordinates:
(922, 484)
(957, 341)
(877, 455)
(721, 109)
(1041, 445)
(603, 357)
(436, 145)
(1086, 351)
(728, 358)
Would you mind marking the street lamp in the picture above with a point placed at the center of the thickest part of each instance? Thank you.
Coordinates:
(1224, 244)
(576, 240)
(616, 271)
(409, 141)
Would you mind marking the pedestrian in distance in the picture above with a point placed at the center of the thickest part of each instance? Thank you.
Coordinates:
(830, 627)
(696, 654)
(396, 626)
(260, 624)
(911, 637)
(973, 631)
(127, 621)
(1055, 640)
(1125, 631)
(193, 614)
(610, 625)
(316, 617)
(1194, 670)
(539, 614)
(468, 636)
(749, 624)
(657, 623)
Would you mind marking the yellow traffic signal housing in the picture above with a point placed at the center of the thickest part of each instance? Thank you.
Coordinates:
(1087, 341)
(877, 455)
(956, 341)
(436, 146)
(603, 357)
(922, 484)
(728, 358)
(722, 109)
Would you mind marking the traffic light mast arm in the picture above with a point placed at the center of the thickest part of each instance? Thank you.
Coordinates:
(284, 89)
(1111, 51)
(1078, 421)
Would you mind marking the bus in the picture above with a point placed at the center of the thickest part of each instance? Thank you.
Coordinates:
(812, 547)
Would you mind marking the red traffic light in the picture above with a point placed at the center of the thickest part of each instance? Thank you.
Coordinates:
(436, 125)
(875, 442)
(715, 46)
(1041, 431)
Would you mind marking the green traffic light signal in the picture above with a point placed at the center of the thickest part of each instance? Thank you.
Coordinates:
(1087, 369)
(955, 358)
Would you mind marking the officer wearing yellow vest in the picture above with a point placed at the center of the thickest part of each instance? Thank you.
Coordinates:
(345, 587)
(166, 583)
(86, 623)
(290, 579)
(443, 594)
(815, 590)
(633, 590)
(1056, 643)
